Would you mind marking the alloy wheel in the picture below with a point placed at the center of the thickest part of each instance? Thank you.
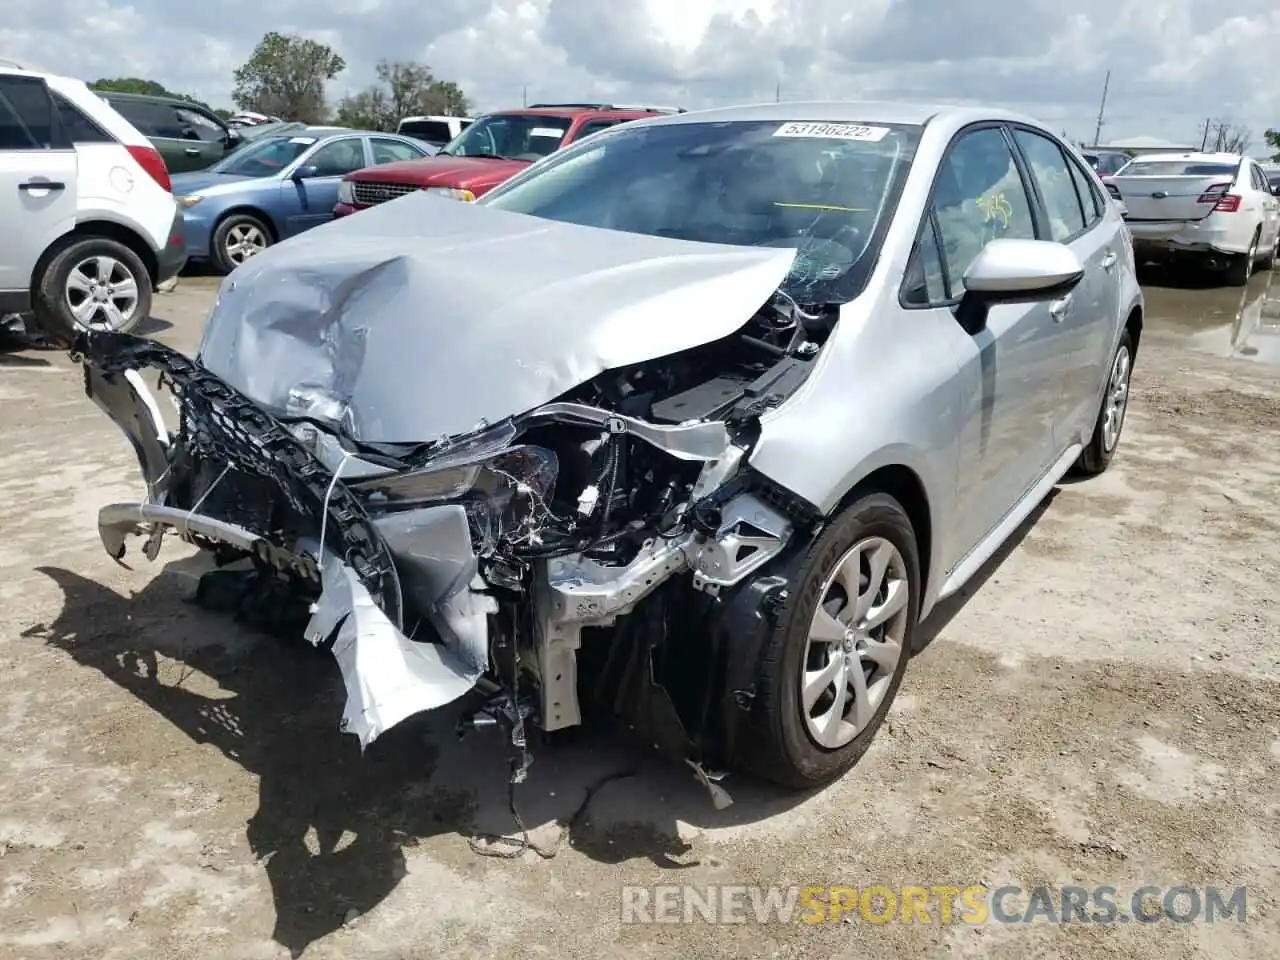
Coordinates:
(856, 642)
(244, 240)
(1117, 400)
(102, 293)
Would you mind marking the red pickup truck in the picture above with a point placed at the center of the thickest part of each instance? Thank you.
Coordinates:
(494, 148)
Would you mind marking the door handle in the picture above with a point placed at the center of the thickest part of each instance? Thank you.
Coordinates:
(42, 185)
(1059, 309)
(1109, 260)
(192, 152)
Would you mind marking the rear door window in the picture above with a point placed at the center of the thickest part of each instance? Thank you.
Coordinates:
(392, 151)
(434, 132)
(1053, 178)
(78, 127)
(27, 119)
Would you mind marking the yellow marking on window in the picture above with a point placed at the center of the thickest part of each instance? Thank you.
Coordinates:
(995, 207)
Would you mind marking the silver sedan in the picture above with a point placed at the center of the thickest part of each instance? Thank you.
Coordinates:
(692, 423)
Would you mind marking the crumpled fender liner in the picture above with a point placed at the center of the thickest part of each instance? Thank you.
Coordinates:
(220, 424)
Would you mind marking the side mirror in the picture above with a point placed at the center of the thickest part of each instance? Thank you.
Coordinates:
(189, 133)
(306, 172)
(1015, 271)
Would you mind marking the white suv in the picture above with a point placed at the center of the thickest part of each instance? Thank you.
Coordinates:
(90, 223)
(1217, 208)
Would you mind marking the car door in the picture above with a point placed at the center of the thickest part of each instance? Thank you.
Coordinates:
(1070, 214)
(38, 169)
(1010, 373)
(203, 133)
(310, 191)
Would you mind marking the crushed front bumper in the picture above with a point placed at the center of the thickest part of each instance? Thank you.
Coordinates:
(358, 601)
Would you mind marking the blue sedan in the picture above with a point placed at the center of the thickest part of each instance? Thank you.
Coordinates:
(276, 187)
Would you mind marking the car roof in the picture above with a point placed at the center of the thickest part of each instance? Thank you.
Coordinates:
(849, 111)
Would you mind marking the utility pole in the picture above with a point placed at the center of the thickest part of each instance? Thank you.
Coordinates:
(1204, 140)
(524, 95)
(1097, 131)
(777, 91)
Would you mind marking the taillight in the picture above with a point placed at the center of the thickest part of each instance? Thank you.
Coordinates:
(149, 159)
(1214, 193)
(1228, 204)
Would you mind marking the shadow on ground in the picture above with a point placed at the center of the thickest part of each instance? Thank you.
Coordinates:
(415, 782)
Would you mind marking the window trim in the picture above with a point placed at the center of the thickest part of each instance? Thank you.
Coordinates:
(929, 213)
(59, 142)
(1028, 173)
(106, 135)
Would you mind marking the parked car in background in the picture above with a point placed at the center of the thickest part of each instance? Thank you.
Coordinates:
(493, 148)
(188, 136)
(1217, 209)
(1272, 172)
(435, 130)
(1105, 162)
(276, 187)
(88, 223)
(695, 421)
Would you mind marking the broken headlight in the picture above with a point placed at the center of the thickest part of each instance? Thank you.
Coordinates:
(505, 493)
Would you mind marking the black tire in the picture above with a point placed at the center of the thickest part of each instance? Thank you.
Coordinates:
(780, 746)
(1240, 269)
(1269, 261)
(218, 252)
(1096, 456)
(51, 303)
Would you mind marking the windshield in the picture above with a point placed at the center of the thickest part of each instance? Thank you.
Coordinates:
(262, 158)
(826, 189)
(1178, 168)
(509, 136)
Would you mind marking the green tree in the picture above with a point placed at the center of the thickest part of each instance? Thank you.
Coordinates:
(404, 89)
(285, 77)
(1273, 141)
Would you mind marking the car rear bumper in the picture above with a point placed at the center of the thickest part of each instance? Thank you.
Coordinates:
(1209, 235)
(171, 260)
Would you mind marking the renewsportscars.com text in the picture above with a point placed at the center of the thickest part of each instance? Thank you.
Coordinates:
(935, 904)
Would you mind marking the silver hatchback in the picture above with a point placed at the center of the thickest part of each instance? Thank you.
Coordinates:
(690, 424)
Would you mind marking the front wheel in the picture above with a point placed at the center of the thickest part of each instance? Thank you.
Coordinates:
(238, 238)
(1097, 454)
(839, 652)
(92, 284)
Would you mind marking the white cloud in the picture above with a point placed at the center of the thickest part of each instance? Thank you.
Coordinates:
(1173, 62)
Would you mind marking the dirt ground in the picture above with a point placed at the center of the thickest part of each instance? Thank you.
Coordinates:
(1101, 708)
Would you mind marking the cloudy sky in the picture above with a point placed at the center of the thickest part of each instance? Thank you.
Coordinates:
(1173, 62)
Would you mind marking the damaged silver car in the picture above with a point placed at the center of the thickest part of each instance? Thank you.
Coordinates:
(688, 425)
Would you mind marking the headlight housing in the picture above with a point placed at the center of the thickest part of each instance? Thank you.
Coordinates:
(346, 191)
(190, 200)
(505, 489)
(452, 193)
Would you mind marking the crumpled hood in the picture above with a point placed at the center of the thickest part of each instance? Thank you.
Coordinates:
(426, 318)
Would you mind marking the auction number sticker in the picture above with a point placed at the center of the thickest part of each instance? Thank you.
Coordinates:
(546, 132)
(831, 131)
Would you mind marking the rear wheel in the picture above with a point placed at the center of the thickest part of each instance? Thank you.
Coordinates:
(840, 650)
(92, 284)
(1096, 456)
(237, 239)
(1269, 261)
(1240, 269)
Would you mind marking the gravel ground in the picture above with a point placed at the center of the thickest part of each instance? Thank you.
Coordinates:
(1100, 709)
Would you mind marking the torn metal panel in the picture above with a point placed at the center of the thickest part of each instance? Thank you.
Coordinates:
(388, 331)
(388, 677)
